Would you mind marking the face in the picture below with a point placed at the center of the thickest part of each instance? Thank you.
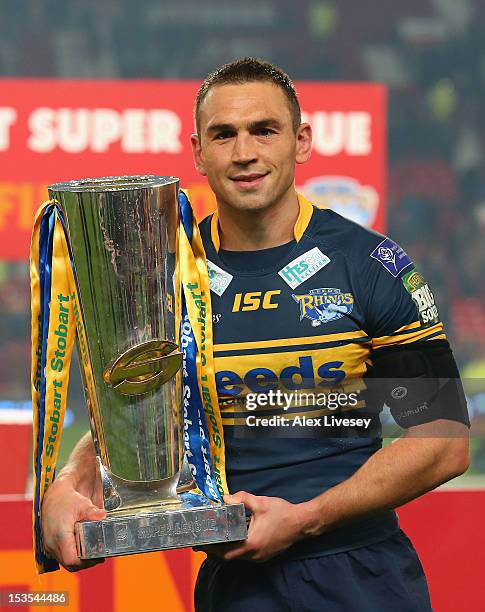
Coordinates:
(247, 146)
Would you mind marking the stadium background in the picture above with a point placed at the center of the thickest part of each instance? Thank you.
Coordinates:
(430, 56)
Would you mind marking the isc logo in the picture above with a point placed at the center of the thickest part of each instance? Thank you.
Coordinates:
(254, 300)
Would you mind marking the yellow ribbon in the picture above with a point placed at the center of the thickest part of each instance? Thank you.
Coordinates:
(193, 278)
(65, 321)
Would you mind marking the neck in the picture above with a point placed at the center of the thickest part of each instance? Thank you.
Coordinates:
(242, 230)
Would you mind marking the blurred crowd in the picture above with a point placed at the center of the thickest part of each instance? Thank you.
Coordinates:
(430, 54)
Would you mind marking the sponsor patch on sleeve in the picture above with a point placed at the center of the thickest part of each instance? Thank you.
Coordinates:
(219, 279)
(422, 296)
(391, 256)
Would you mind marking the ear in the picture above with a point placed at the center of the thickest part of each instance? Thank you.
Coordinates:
(197, 153)
(303, 143)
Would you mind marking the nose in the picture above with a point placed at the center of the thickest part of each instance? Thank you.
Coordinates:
(244, 150)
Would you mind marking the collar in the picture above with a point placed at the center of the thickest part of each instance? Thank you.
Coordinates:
(304, 216)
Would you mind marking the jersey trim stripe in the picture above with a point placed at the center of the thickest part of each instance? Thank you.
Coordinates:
(304, 216)
(236, 346)
(303, 220)
(286, 349)
(405, 329)
(439, 337)
(215, 231)
(420, 334)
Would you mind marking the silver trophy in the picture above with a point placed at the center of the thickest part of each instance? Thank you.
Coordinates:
(122, 232)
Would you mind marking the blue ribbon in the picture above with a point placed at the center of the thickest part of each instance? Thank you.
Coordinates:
(46, 238)
(195, 435)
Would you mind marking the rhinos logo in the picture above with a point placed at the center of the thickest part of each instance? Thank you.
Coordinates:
(324, 305)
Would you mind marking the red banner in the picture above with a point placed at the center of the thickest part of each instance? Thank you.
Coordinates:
(57, 130)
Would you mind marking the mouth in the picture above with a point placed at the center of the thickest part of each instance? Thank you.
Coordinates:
(250, 180)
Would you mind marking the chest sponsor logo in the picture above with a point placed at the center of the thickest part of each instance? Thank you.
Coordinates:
(219, 279)
(303, 374)
(324, 305)
(422, 296)
(391, 256)
(304, 267)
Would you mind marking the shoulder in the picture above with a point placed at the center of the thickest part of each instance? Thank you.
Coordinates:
(347, 234)
(362, 246)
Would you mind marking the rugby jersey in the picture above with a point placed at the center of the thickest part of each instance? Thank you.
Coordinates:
(306, 317)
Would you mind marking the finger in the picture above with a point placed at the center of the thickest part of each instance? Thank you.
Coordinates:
(90, 512)
(67, 550)
(234, 550)
(242, 497)
(68, 554)
(219, 550)
(212, 549)
(65, 538)
(94, 514)
(243, 552)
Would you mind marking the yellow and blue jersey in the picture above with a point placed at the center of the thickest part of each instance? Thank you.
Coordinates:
(308, 316)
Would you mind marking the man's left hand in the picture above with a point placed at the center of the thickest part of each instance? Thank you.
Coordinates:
(275, 525)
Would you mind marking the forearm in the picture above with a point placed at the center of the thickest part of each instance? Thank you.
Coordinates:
(394, 475)
(82, 467)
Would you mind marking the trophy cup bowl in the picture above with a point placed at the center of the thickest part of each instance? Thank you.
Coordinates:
(122, 233)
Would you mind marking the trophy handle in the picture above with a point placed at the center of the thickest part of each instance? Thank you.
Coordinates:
(186, 481)
(111, 498)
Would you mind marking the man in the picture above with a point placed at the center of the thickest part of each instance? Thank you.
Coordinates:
(305, 301)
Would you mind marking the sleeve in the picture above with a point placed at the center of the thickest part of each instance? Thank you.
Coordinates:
(399, 305)
(413, 369)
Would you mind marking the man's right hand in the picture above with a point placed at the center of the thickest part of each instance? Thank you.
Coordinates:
(62, 507)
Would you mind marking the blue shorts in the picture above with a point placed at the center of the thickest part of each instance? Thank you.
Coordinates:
(384, 576)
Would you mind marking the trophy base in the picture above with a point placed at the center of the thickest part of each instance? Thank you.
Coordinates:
(193, 522)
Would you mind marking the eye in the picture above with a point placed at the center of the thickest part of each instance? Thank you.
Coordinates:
(264, 131)
(223, 135)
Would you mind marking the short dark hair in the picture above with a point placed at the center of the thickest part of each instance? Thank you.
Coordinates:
(248, 70)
